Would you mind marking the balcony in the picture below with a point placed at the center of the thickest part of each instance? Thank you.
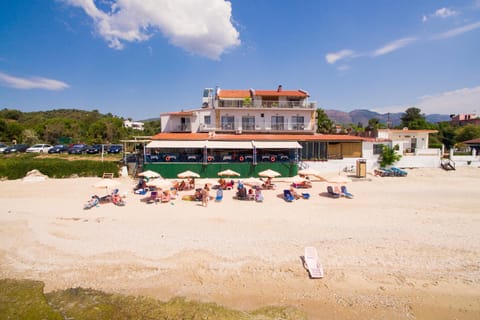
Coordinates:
(264, 127)
(183, 128)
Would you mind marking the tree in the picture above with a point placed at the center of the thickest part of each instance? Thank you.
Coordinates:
(446, 135)
(468, 132)
(388, 157)
(324, 124)
(414, 119)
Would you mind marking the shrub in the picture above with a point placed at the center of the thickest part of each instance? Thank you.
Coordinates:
(17, 166)
(388, 157)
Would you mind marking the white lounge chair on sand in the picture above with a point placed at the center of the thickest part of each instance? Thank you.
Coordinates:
(312, 263)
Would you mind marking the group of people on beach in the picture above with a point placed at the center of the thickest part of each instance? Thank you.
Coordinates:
(114, 197)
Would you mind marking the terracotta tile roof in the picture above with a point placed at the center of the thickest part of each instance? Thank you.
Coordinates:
(282, 93)
(180, 136)
(259, 137)
(473, 141)
(241, 94)
(230, 94)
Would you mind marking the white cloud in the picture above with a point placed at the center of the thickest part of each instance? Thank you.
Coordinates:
(31, 83)
(393, 46)
(445, 13)
(460, 101)
(340, 55)
(466, 100)
(440, 13)
(202, 27)
(458, 31)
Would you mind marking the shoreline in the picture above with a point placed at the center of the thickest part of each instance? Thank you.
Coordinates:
(403, 247)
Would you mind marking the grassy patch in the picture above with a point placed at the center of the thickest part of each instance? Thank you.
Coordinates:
(23, 299)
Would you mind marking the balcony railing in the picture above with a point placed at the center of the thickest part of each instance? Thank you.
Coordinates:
(268, 104)
(287, 127)
(184, 128)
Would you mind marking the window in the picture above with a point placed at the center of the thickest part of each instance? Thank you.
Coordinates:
(228, 122)
(377, 148)
(298, 122)
(314, 150)
(277, 123)
(248, 123)
(207, 120)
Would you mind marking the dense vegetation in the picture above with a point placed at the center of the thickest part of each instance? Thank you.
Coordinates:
(24, 299)
(67, 126)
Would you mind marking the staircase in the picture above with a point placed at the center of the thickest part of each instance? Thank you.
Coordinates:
(448, 164)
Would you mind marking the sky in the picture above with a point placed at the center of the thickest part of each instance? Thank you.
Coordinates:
(140, 58)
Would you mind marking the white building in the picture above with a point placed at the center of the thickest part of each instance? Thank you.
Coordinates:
(246, 111)
(133, 124)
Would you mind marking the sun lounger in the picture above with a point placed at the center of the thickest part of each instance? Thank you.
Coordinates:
(153, 198)
(332, 193)
(288, 196)
(345, 193)
(312, 263)
(398, 172)
(219, 196)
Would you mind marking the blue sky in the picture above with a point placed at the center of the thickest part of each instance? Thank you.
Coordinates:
(139, 58)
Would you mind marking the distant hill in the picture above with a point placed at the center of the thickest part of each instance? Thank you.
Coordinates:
(362, 116)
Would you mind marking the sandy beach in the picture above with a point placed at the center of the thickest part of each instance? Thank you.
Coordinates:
(403, 248)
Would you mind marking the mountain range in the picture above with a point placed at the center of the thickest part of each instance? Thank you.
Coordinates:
(362, 116)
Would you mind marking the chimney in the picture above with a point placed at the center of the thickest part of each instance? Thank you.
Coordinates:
(279, 88)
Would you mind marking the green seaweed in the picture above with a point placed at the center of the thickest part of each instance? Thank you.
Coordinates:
(24, 299)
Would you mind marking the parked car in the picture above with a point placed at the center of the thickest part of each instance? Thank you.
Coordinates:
(115, 148)
(40, 148)
(77, 148)
(3, 146)
(94, 149)
(58, 148)
(16, 148)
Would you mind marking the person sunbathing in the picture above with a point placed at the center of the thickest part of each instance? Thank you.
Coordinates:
(268, 185)
(117, 199)
(302, 185)
(93, 202)
(180, 186)
(242, 193)
(295, 194)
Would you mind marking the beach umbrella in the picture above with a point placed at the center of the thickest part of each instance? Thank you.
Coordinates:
(229, 173)
(309, 172)
(150, 174)
(269, 173)
(188, 174)
(253, 182)
(106, 184)
(160, 183)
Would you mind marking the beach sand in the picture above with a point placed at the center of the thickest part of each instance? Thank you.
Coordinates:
(403, 248)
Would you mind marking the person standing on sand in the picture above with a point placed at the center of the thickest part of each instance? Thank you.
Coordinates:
(205, 195)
